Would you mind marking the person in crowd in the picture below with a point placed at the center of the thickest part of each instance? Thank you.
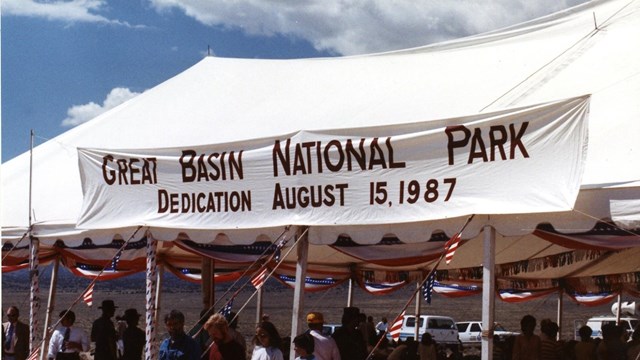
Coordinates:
(103, 333)
(633, 347)
(303, 345)
(67, 341)
(381, 326)
(133, 338)
(325, 347)
(267, 343)
(585, 349)
(611, 347)
(427, 348)
(232, 319)
(224, 343)
(550, 348)
(179, 346)
(15, 336)
(349, 340)
(405, 350)
(527, 345)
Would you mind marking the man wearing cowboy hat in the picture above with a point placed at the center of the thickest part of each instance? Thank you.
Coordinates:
(103, 332)
(133, 337)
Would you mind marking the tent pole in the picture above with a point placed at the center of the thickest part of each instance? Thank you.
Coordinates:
(488, 291)
(350, 293)
(50, 306)
(207, 282)
(560, 311)
(150, 348)
(298, 292)
(159, 278)
(34, 250)
(259, 306)
(619, 310)
(416, 331)
(34, 274)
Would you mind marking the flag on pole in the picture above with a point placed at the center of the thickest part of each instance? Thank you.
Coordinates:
(427, 289)
(35, 354)
(226, 310)
(278, 251)
(450, 247)
(88, 295)
(259, 279)
(396, 327)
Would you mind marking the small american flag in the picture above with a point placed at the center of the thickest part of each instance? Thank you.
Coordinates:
(396, 327)
(35, 354)
(450, 247)
(259, 279)
(88, 295)
(278, 252)
(226, 310)
(427, 289)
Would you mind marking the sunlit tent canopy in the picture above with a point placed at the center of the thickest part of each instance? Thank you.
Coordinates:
(588, 49)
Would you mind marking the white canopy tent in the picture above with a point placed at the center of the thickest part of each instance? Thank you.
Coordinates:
(589, 49)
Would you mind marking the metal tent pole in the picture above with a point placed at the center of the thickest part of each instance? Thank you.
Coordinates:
(488, 291)
(298, 292)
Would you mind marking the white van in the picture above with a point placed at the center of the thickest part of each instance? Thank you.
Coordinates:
(596, 323)
(443, 329)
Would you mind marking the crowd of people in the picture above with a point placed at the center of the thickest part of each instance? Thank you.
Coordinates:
(215, 337)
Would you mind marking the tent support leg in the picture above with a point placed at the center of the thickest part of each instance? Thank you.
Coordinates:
(50, 307)
(416, 332)
(158, 303)
(151, 348)
(208, 291)
(259, 305)
(34, 303)
(560, 311)
(488, 291)
(350, 293)
(298, 292)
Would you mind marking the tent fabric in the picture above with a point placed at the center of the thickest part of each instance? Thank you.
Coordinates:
(556, 57)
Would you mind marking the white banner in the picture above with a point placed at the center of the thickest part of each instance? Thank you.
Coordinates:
(524, 160)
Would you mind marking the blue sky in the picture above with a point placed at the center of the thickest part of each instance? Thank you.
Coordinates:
(66, 61)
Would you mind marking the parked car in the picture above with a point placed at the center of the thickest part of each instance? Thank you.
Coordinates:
(597, 322)
(443, 330)
(470, 332)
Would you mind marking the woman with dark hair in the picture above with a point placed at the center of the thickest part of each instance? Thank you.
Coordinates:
(267, 343)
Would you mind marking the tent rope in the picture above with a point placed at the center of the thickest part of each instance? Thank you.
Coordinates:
(588, 35)
(16, 245)
(418, 288)
(47, 332)
(206, 351)
(260, 259)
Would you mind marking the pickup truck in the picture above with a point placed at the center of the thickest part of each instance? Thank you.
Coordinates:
(470, 332)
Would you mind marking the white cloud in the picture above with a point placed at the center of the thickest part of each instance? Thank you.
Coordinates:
(79, 114)
(70, 11)
(350, 27)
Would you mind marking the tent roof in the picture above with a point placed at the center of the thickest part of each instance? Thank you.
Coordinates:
(220, 100)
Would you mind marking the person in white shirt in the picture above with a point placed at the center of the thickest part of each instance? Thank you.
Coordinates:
(325, 347)
(381, 327)
(67, 341)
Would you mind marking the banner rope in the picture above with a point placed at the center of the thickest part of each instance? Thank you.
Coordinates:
(47, 332)
(418, 288)
(244, 273)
